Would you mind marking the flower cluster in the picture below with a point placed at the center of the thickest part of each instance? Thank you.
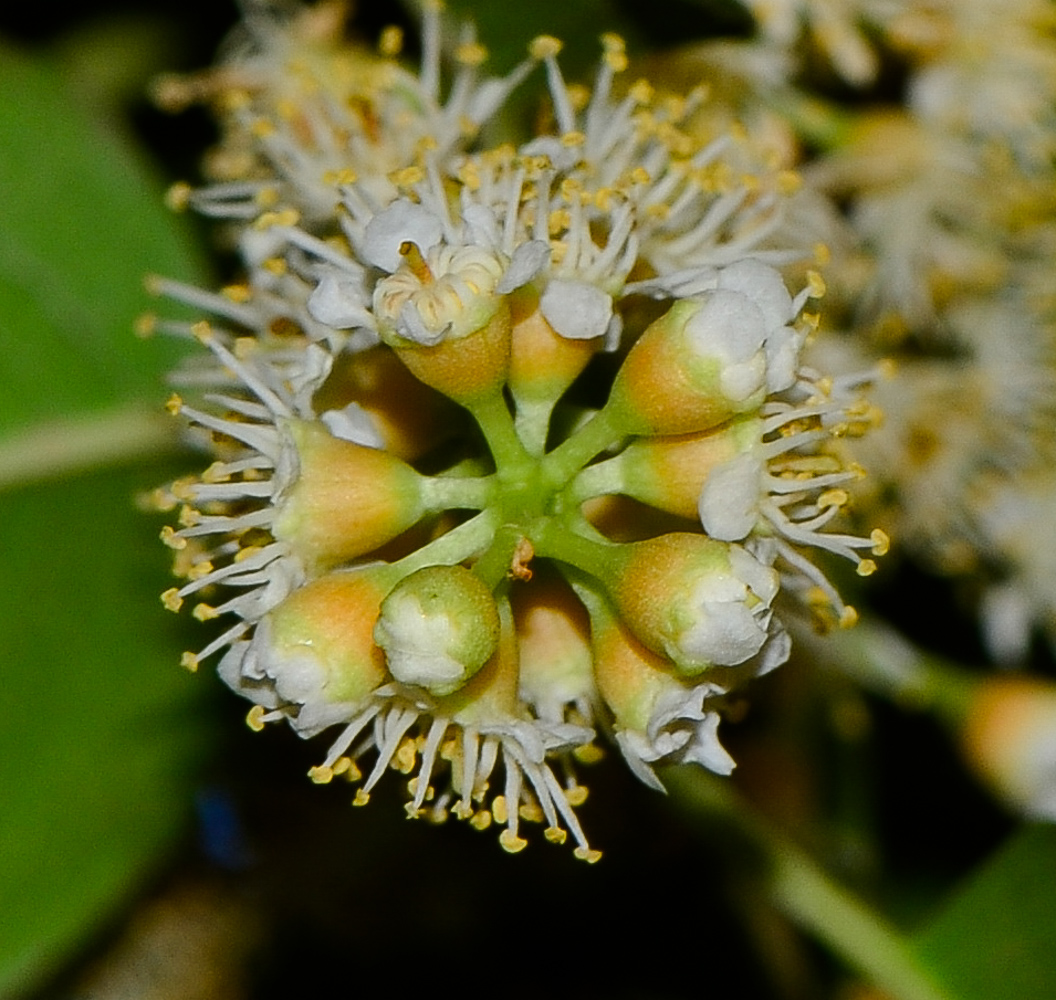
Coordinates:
(512, 442)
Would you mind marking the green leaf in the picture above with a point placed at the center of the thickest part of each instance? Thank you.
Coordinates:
(996, 938)
(81, 224)
(102, 731)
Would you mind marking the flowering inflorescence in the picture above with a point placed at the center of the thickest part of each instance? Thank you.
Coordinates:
(427, 513)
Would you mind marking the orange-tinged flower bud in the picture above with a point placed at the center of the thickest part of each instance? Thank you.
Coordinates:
(346, 500)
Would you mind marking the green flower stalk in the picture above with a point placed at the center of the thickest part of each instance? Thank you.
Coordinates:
(404, 408)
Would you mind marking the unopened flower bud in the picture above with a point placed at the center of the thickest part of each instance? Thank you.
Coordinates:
(346, 499)
(438, 627)
(700, 602)
(699, 364)
(1009, 738)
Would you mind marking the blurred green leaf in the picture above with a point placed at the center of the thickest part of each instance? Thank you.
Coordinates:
(996, 939)
(102, 731)
(81, 224)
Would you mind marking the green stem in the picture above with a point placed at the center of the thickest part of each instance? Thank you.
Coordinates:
(555, 539)
(533, 424)
(597, 480)
(808, 896)
(451, 548)
(491, 413)
(571, 455)
(79, 444)
(887, 663)
(457, 492)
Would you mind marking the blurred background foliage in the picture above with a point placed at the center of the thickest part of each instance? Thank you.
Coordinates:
(151, 847)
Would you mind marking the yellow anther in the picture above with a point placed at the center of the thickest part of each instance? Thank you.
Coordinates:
(189, 661)
(205, 612)
(848, 617)
(511, 842)
(587, 854)
(285, 217)
(531, 813)
(152, 284)
(321, 774)
(145, 325)
(498, 809)
(616, 61)
(171, 539)
(471, 54)
(788, 182)
(555, 835)
(362, 797)
(262, 128)
(881, 541)
(202, 331)
(184, 489)
(822, 254)
(832, 498)
(572, 139)
(412, 813)
(171, 599)
(449, 750)
(462, 809)
(481, 820)
(390, 43)
(188, 517)
(199, 570)
(866, 567)
(642, 91)
(275, 265)
(353, 774)
(544, 47)
(578, 96)
(338, 177)
(407, 176)
(255, 718)
(816, 284)
(812, 320)
(341, 765)
(174, 404)
(887, 368)
(246, 552)
(589, 754)
(178, 197)
(576, 795)
(559, 221)
(237, 293)
(404, 758)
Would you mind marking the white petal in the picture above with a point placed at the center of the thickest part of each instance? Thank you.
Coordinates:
(726, 633)
(576, 310)
(338, 302)
(403, 221)
(528, 260)
(763, 285)
(728, 325)
(353, 423)
(480, 227)
(729, 502)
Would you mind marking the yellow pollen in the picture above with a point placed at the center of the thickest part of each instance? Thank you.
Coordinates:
(337, 177)
(816, 283)
(246, 553)
(178, 197)
(145, 325)
(481, 821)
(866, 567)
(171, 599)
(199, 570)
(204, 612)
(390, 44)
(266, 197)
(616, 61)
(589, 754)
(321, 774)
(236, 293)
(171, 539)
(848, 617)
(449, 751)
(202, 331)
(498, 809)
(407, 177)
(189, 661)
(262, 128)
(286, 217)
(881, 541)
(275, 265)
(189, 517)
(531, 813)
(789, 182)
(832, 498)
(576, 795)
(416, 262)
(573, 139)
(511, 842)
(344, 765)
(544, 47)
(555, 835)
(174, 404)
(822, 254)
(471, 54)
(403, 759)
(587, 854)
(642, 91)
(255, 718)
(362, 798)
